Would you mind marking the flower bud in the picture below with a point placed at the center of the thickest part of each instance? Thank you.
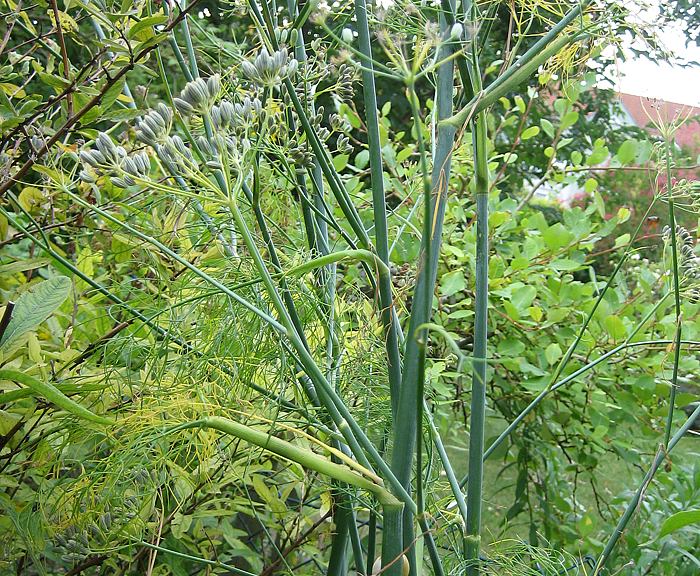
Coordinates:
(183, 107)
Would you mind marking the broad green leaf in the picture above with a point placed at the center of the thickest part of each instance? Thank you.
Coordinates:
(452, 282)
(565, 264)
(34, 306)
(510, 347)
(569, 119)
(557, 236)
(30, 198)
(627, 151)
(536, 313)
(146, 23)
(340, 161)
(547, 127)
(523, 297)
(623, 214)
(599, 204)
(615, 327)
(531, 132)
(622, 240)
(590, 185)
(679, 520)
(23, 265)
(598, 155)
(8, 421)
(552, 353)
(350, 115)
(362, 159)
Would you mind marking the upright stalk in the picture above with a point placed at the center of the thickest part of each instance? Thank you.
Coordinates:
(436, 200)
(633, 505)
(676, 292)
(379, 205)
(478, 399)
(478, 402)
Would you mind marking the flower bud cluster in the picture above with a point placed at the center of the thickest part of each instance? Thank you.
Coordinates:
(343, 144)
(286, 36)
(227, 116)
(317, 122)
(155, 126)
(176, 152)
(221, 145)
(72, 544)
(113, 161)
(346, 79)
(339, 123)
(301, 156)
(689, 261)
(269, 69)
(198, 95)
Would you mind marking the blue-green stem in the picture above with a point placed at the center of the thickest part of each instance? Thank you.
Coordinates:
(478, 399)
(406, 421)
(633, 505)
(436, 200)
(675, 272)
(392, 546)
(381, 240)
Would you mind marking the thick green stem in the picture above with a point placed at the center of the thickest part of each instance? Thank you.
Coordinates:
(392, 544)
(338, 559)
(386, 301)
(303, 457)
(405, 422)
(676, 292)
(478, 401)
(408, 413)
(54, 396)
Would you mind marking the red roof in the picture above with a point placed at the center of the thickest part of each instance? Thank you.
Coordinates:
(645, 112)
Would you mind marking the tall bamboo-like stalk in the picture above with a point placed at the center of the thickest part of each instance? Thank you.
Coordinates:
(676, 288)
(406, 422)
(478, 399)
(381, 241)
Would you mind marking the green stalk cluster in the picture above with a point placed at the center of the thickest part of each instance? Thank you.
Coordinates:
(216, 159)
